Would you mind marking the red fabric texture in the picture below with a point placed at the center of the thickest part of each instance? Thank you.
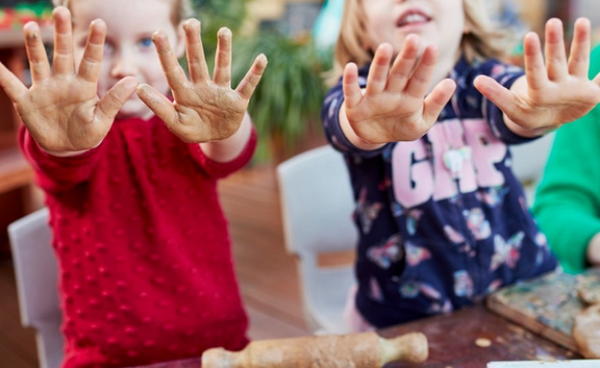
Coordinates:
(145, 263)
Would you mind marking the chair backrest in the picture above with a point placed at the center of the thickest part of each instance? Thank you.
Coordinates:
(317, 205)
(529, 161)
(37, 284)
(317, 202)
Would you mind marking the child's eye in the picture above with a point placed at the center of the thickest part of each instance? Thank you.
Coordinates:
(108, 48)
(146, 42)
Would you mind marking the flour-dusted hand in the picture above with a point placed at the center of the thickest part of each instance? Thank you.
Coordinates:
(551, 93)
(393, 107)
(62, 110)
(204, 109)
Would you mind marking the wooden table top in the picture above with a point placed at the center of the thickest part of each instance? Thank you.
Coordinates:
(453, 340)
(458, 340)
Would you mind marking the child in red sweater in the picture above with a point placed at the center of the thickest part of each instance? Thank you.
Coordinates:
(146, 272)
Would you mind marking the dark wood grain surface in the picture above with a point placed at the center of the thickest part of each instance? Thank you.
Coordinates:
(453, 340)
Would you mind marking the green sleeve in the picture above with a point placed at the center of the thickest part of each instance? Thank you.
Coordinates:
(567, 203)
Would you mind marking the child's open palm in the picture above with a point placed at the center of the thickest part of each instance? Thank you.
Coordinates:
(393, 106)
(62, 110)
(552, 94)
(203, 109)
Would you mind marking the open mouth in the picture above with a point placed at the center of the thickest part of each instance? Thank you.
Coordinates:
(412, 17)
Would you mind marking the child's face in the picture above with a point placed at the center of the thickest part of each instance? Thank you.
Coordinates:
(437, 22)
(128, 50)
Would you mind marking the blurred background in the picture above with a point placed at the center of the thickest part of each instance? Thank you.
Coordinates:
(297, 36)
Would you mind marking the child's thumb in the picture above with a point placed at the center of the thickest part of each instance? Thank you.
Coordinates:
(159, 104)
(115, 98)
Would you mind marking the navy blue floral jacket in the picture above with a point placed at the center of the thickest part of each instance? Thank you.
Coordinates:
(442, 220)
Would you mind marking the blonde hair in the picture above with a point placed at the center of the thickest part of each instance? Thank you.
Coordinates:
(484, 38)
(182, 9)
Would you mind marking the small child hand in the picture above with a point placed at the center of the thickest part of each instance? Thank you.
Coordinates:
(62, 111)
(553, 94)
(393, 107)
(203, 110)
(593, 251)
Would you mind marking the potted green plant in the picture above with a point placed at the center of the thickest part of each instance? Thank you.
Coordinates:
(286, 105)
(215, 14)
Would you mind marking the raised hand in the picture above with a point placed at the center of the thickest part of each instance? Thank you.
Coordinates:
(552, 94)
(62, 110)
(203, 109)
(393, 107)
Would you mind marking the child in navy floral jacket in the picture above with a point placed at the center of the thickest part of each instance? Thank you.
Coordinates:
(442, 219)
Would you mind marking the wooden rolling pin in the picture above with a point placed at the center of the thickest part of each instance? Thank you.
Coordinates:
(364, 350)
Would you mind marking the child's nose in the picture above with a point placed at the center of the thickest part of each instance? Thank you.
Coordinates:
(124, 65)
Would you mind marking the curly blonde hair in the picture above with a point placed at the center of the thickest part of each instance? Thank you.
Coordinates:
(485, 39)
(182, 9)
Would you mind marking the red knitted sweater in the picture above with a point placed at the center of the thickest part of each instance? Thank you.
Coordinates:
(146, 271)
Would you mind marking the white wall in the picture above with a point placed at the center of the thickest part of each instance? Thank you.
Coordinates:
(589, 9)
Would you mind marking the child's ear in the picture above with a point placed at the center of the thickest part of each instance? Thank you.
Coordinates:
(180, 41)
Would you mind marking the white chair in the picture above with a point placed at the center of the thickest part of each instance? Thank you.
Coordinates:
(529, 161)
(37, 284)
(317, 204)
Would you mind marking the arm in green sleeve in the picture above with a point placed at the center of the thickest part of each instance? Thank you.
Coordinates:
(567, 204)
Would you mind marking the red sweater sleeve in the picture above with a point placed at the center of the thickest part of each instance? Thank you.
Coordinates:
(57, 174)
(218, 170)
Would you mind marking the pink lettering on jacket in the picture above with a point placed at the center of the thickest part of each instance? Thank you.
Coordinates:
(416, 178)
(487, 152)
(444, 137)
(412, 175)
